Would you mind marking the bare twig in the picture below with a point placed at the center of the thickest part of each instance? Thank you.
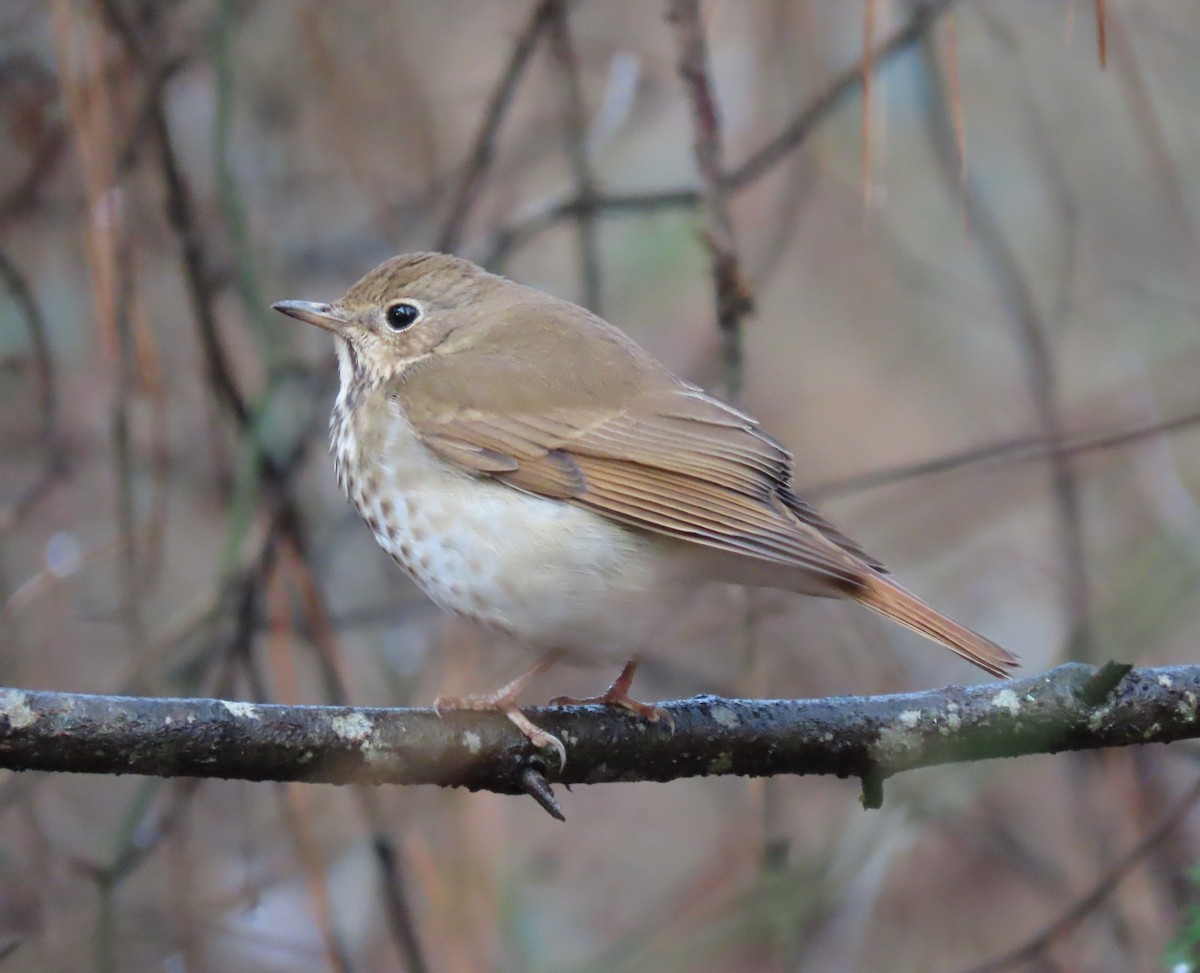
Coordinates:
(1079, 910)
(1019, 448)
(577, 152)
(395, 899)
(493, 117)
(392, 869)
(1154, 135)
(144, 831)
(864, 737)
(1012, 285)
(389, 858)
(21, 292)
(1101, 34)
(233, 207)
(867, 67)
(145, 835)
(140, 42)
(537, 787)
(510, 238)
(276, 474)
(758, 164)
(294, 809)
(821, 107)
(733, 299)
(197, 274)
(19, 289)
(26, 85)
(126, 383)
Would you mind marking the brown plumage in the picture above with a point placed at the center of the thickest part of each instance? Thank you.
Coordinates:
(497, 383)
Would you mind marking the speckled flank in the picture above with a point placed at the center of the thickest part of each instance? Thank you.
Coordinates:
(494, 555)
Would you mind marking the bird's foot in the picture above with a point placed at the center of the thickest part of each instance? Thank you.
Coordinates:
(647, 711)
(618, 695)
(504, 700)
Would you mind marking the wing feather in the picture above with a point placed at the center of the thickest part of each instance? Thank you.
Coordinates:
(633, 443)
(743, 525)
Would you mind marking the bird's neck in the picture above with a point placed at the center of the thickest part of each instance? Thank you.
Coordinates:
(353, 380)
(354, 386)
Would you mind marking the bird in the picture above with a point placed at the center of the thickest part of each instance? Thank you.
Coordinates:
(537, 472)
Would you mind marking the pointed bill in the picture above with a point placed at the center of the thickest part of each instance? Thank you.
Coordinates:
(322, 315)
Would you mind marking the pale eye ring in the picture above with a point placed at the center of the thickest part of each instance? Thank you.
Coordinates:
(402, 315)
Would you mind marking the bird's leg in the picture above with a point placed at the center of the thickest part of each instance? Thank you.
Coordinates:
(504, 700)
(618, 695)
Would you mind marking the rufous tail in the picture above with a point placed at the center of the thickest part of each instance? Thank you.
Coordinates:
(888, 598)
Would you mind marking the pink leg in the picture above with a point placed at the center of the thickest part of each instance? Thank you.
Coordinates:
(504, 700)
(618, 695)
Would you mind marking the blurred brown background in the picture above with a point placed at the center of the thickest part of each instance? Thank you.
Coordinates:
(170, 523)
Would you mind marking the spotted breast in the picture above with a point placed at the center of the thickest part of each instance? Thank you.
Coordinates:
(494, 555)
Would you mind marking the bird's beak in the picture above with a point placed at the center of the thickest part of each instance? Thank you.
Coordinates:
(322, 315)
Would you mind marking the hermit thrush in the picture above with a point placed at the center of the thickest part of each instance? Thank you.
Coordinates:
(537, 472)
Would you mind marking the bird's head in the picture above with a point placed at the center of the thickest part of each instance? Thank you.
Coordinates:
(408, 308)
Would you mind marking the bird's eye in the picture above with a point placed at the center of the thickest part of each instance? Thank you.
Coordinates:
(402, 315)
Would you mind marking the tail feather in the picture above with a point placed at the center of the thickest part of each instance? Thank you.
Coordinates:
(888, 598)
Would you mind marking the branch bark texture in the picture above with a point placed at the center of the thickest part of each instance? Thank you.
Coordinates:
(1072, 707)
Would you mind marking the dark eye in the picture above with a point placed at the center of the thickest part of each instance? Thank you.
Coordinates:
(402, 315)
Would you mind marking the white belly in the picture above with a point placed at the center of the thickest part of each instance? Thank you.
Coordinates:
(545, 572)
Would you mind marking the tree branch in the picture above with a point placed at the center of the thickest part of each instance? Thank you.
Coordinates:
(731, 295)
(849, 80)
(1072, 707)
(485, 141)
(1062, 924)
(502, 243)
(496, 249)
(999, 260)
(578, 154)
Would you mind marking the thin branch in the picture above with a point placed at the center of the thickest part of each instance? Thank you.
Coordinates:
(577, 152)
(867, 68)
(46, 142)
(1101, 34)
(123, 462)
(516, 235)
(758, 164)
(845, 83)
(494, 115)
(146, 833)
(197, 275)
(1000, 262)
(389, 857)
(276, 474)
(1079, 910)
(296, 815)
(1072, 707)
(731, 293)
(229, 192)
(392, 868)
(21, 292)
(53, 462)
(1018, 449)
